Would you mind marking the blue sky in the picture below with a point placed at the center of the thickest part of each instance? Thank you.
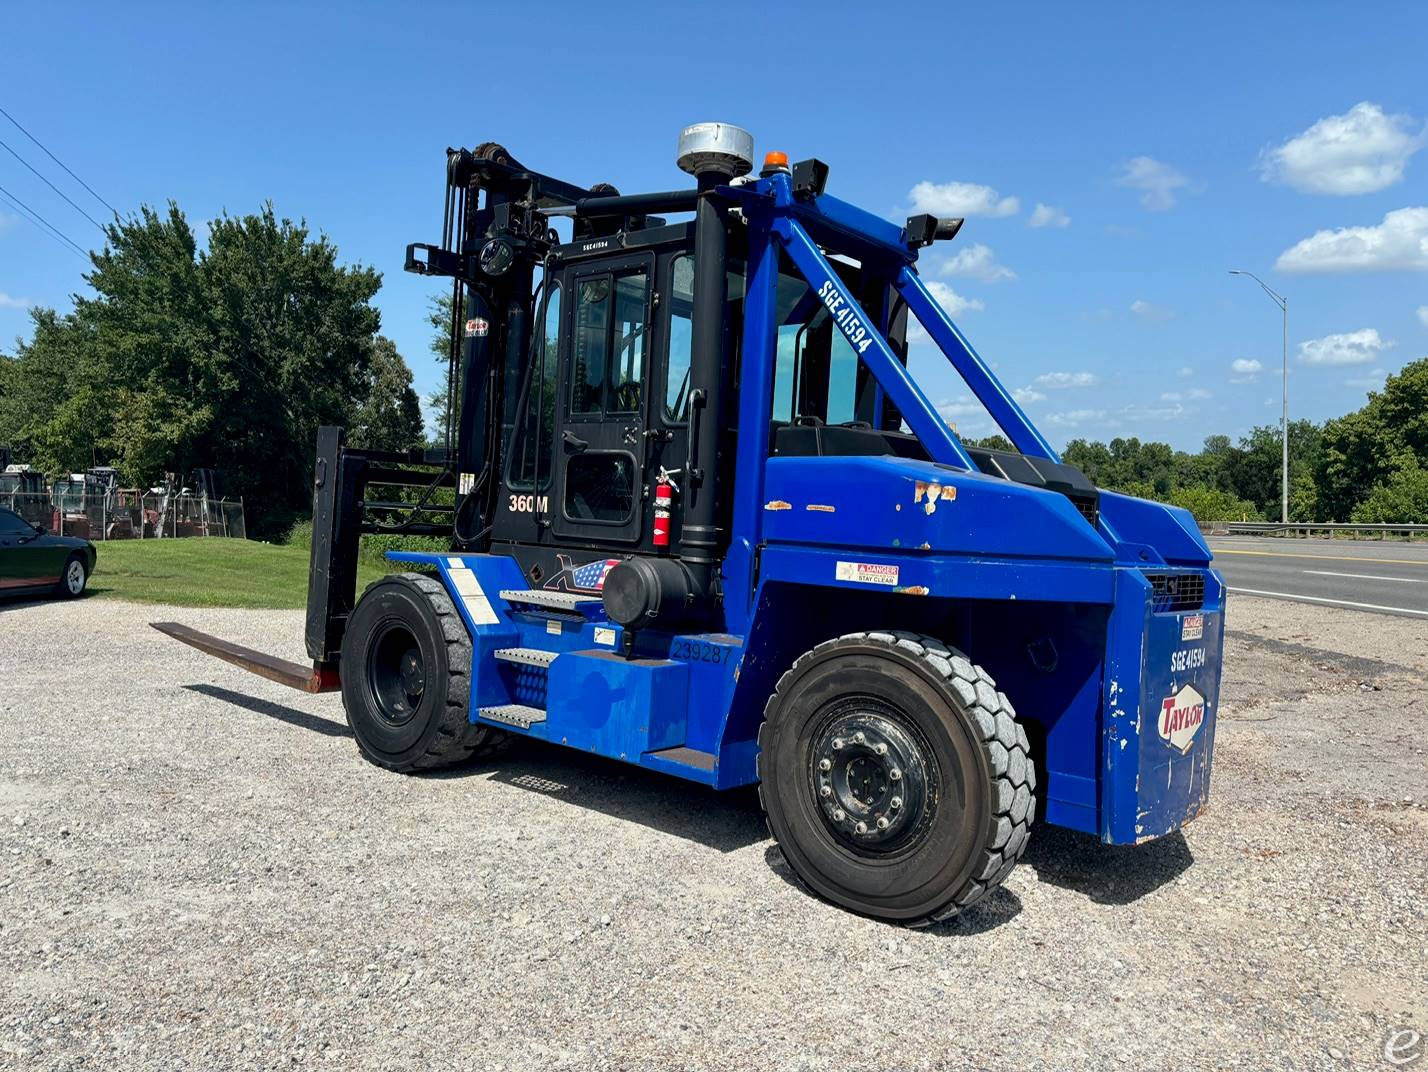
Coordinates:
(1164, 146)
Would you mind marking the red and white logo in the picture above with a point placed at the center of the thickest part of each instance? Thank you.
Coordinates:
(477, 326)
(1180, 718)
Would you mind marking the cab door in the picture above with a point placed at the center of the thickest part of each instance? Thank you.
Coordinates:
(600, 454)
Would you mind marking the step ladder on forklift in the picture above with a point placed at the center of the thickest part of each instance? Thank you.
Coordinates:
(536, 661)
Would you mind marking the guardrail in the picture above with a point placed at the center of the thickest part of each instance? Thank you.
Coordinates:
(1310, 528)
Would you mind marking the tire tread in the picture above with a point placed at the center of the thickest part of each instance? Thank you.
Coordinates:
(993, 720)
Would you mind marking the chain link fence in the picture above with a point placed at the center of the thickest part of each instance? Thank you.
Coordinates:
(128, 515)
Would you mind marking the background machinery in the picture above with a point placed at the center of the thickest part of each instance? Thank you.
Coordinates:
(704, 520)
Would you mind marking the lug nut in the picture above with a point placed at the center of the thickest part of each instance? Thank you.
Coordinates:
(838, 744)
(825, 764)
(839, 815)
(826, 791)
(882, 749)
(861, 828)
(860, 737)
(894, 774)
(882, 822)
(897, 802)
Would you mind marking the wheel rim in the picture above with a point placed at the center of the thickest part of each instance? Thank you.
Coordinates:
(74, 577)
(870, 775)
(396, 674)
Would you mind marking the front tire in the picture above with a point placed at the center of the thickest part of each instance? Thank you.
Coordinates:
(74, 579)
(895, 777)
(406, 677)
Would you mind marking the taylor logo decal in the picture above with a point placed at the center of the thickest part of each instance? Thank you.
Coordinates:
(1181, 716)
(477, 326)
(1192, 627)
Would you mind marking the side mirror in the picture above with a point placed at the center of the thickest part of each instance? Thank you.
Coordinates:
(40, 530)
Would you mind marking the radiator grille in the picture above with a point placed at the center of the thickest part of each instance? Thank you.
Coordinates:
(1177, 591)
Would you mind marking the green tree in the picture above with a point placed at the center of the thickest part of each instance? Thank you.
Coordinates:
(439, 403)
(1253, 469)
(227, 357)
(388, 416)
(1364, 449)
(994, 441)
(1402, 499)
(1214, 504)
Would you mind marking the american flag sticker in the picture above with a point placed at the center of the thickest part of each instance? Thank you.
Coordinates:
(591, 576)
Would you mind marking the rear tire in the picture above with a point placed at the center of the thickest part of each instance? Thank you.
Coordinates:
(406, 677)
(895, 777)
(73, 579)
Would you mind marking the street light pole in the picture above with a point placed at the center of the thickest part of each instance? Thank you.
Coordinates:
(1283, 303)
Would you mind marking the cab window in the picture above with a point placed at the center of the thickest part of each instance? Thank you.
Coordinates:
(535, 430)
(609, 343)
(817, 373)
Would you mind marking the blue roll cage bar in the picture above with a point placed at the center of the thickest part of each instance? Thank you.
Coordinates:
(778, 220)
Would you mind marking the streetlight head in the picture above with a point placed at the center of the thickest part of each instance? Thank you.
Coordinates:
(1236, 271)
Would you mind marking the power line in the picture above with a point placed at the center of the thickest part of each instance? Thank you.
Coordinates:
(39, 221)
(58, 161)
(53, 187)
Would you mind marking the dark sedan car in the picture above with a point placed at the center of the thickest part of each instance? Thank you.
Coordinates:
(32, 562)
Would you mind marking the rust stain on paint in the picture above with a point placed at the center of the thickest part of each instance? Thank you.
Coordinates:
(778, 504)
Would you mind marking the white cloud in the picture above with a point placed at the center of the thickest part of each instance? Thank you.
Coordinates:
(1245, 369)
(953, 304)
(1146, 311)
(1359, 152)
(962, 406)
(1156, 181)
(961, 199)
(1143, 414)
(979, 262)
(1192, 395)
(1058, 381)
(1076, 416)
(1350, 348)
(1028, 394)
(1185, 372)
(7, 302)
(1400, 241)
(1369, 381)
(1048, 216)
(1423, 315)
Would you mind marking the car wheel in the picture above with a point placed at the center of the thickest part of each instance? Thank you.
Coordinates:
(73, 580)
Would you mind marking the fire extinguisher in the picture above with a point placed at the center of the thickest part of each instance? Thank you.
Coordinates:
(663, 501)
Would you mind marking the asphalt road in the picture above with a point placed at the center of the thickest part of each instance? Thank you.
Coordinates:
(1382, 578)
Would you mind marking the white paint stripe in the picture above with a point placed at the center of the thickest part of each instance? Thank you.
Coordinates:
(1363, 576)
(1334, 602)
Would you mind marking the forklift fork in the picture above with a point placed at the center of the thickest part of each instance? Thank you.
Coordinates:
(341, 513)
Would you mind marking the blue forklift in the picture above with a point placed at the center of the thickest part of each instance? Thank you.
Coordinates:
(702, 519)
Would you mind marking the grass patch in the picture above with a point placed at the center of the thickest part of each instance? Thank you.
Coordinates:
(209, 572)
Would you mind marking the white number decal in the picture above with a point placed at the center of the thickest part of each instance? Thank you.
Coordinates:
(528, 504)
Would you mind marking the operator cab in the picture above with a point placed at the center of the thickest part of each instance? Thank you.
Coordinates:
(600, 412)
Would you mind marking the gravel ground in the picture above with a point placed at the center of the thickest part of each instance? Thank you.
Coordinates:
(197, 871)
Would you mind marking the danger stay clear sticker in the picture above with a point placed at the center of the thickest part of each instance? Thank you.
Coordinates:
(866, 573)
